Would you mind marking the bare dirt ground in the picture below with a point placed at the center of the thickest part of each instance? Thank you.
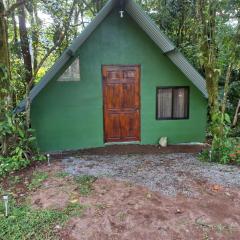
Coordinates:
(143, 197)
(118, 210)
(122, 210)
(135, 149)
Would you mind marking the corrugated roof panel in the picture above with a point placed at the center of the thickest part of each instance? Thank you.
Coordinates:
(147, 24)
(182, 63)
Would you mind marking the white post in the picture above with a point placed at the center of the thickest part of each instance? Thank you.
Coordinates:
(5, 200)
(48, 157)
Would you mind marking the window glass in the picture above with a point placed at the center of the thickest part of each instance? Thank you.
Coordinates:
(165, 103)
(72, 73)
(180, 103)
(172, 103)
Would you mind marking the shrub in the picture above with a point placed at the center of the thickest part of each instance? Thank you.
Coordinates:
(228, 152)
(224, 149)
(17, 143)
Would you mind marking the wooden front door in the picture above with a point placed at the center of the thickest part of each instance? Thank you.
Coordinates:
(121, 100)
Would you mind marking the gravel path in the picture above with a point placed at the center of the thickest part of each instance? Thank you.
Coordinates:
(169, 174)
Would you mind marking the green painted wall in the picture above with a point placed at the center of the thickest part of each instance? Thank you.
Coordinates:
(68, 115)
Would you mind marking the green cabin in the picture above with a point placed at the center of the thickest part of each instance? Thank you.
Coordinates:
(120, 81)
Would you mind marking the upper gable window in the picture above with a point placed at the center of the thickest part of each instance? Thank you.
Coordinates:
(72, 73)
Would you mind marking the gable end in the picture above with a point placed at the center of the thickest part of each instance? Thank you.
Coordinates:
(151, 29)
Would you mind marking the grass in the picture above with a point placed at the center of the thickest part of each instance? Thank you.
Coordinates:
(62, 174)
(37, 179)
(13, 180)
(26, 223)
(85, 184)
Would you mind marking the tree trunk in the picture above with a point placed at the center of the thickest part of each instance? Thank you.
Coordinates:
(206, 17)
(24, 42)
(4, 72)
(35, 25)
(236, 114)
(4, 54)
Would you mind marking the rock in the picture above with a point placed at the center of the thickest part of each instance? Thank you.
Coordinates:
(163, 141)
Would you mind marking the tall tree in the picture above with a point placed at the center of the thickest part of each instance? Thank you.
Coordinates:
(35, 27)
(25, 47)
(206, 14)
(4, 53)
(4, 73)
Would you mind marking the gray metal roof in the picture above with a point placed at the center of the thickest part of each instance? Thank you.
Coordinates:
(164, 43)
(146, 23)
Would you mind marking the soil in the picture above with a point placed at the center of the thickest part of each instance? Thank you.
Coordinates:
(131, 209)
(134, 149)
(121, 210)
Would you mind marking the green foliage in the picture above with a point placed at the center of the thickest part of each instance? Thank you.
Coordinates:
(26, 223)
(62, 174)
(85, 183)
(235, 132)
(224, 152)
(223, 149)
(13, 180)
(234, 95)
(17, 141)
(74, 210)
(18, 147)
(37, 179)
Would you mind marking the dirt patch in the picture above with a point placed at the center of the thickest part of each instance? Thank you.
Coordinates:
(134, 149)
(54, 194)
(119, 210)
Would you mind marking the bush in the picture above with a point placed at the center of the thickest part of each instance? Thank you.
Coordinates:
(235, 132)
(226, 152)
(224, 149)
(17, 143)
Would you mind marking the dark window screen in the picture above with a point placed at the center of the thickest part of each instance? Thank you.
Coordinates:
(172, 103)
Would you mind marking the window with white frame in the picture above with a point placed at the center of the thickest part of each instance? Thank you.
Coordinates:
(72, 73)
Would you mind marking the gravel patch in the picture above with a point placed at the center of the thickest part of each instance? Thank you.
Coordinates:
(169, 174)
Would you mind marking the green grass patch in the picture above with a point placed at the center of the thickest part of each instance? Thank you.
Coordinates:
(26, 223)
(74, 210)
(37, 179)
(61, 174)
(13, 180)
(85, 184)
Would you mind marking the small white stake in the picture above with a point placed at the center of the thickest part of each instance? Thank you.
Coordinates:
(5, 200)
(48, 157)
(210, 155)
(121, 13)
